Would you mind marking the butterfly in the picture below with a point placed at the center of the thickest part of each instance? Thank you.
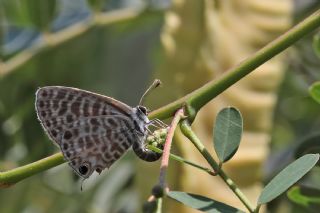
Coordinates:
(91, 130)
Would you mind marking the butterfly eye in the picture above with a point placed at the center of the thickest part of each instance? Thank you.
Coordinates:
(83, 169)
(143, 109)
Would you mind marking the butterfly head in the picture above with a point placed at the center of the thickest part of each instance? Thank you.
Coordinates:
(140, 118)
(141, 113)
(142, 110)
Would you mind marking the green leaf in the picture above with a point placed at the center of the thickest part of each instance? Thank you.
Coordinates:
(314, 91)
(309, 145)
(227, 133)
(201, 203)
(305, 196)
(316, 45)
(287, 177)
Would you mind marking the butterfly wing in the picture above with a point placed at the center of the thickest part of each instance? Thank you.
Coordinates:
(96, 147)
(91, 130)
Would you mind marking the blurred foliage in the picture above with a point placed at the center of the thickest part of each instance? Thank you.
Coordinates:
(291, 124)
(314, 91)
(103, 60)
(96, 5)
(308, 145)
(34, 13)
(305, 196)
(316, 45)
(296, 118)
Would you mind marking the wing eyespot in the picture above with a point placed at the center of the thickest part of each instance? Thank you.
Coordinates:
(83, 169)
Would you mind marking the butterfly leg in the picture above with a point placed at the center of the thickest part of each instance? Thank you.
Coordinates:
(158, 123)
(140, 149)
(149, 131)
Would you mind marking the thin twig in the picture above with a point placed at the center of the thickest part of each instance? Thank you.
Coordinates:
(187, 131)
(182, 160)
(159, 189)
(167, 147)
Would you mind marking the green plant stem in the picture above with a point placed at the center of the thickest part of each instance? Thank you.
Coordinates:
(204, 94)
(159, 205)
(187, 131)
(54, 39)
(13, 176)
(182, 160)
(257, 209)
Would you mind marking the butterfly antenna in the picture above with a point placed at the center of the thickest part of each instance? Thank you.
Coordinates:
(154, 85)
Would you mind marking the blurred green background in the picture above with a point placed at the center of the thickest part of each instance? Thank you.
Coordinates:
(117, 60)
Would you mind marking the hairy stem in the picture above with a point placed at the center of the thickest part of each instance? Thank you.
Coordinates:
(187, 131)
